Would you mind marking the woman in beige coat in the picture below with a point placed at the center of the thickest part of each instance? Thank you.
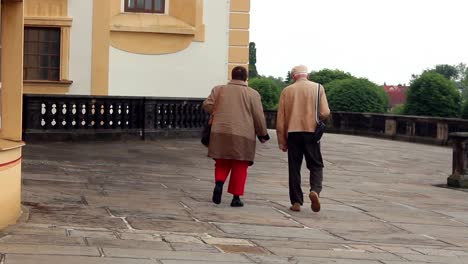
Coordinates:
(238, 119)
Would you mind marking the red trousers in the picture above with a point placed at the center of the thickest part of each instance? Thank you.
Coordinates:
(238, 171)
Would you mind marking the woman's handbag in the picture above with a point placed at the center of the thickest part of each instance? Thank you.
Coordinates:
(320, 129)
(206, 133)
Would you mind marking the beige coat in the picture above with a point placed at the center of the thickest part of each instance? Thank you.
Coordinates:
(237, 119)
(296, 110)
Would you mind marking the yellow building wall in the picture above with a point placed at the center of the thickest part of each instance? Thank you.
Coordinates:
(10, 186)
(10, 133)
(137, 33)
(239, 34)
(50, 13)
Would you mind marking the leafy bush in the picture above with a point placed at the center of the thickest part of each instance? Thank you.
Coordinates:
(433, 95)
(356, 95)
(327, 76)
(270, 90)
(398, 109)
(464, 114)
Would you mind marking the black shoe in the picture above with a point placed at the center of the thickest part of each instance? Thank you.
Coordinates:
(236, 202)
(217, 193)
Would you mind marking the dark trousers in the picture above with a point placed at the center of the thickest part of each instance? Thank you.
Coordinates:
(300, 145)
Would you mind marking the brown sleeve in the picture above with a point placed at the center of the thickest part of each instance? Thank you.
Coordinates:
(208, 104)
(258, 116)
(281, 126)
(324, 109)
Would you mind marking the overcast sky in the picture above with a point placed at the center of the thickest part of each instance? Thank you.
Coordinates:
(382, 40)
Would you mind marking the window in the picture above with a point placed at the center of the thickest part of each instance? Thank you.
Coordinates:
(145, 6)
(42, 54)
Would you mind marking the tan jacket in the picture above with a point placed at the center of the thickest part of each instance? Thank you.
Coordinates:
(296, 110)
(237, 120)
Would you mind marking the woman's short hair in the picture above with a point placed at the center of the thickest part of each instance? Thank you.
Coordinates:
(239, 73)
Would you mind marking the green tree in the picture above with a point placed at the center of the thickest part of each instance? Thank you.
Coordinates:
(252, 60)
(448, 71)
(356, 95)
(433, 95)
(270, 90)
(462, 80)
(327, 76)
(288, 78)
(464, 114)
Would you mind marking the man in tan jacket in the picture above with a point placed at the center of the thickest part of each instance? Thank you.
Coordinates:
(295, 128)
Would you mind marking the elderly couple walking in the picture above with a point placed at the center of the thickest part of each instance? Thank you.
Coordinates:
(237, 120)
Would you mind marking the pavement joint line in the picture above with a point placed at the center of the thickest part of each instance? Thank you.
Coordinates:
(123, 218)
(428, 236)
(117, 234)
(407, 206)
(290, 218)
(86, 241)
(354, 250)
(220, 250)
(164, 185)
(185, 206)
(196, 220)
(456, 221)
(101, 252)
(282, 212)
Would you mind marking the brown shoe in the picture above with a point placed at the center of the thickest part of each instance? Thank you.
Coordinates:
(296, 207)
(314, 198)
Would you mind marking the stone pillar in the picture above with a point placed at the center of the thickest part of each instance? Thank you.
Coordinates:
(442, 132)
(390, 127)
(459, 177)
(12, 22)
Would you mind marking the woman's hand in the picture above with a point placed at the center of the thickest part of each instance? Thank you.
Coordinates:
(264, 139)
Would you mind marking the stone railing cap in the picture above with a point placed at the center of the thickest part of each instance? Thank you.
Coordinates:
(459, 135)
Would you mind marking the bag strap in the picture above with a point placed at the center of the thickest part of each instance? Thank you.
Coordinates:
(317, 105)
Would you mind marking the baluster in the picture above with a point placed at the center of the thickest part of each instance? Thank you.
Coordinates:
(108, 117)
(127, 113)
(164, 113)
(118, 115)
(79, 115)
(44, 116)
(100, 112)
(91, 114)
(158, 121)
(75, 115)
(53, 116)
(69, 115)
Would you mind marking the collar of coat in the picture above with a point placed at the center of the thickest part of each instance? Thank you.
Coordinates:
(238, 82)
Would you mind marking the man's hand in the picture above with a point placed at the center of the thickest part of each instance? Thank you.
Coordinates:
(263, 141)
(284, 148)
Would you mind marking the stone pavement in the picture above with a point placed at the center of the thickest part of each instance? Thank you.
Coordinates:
(150, 202)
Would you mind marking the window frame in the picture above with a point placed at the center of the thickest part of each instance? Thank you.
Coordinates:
(139, 10)
(49, 55)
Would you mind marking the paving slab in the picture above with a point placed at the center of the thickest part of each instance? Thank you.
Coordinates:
(37, 259)
(150, 202)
